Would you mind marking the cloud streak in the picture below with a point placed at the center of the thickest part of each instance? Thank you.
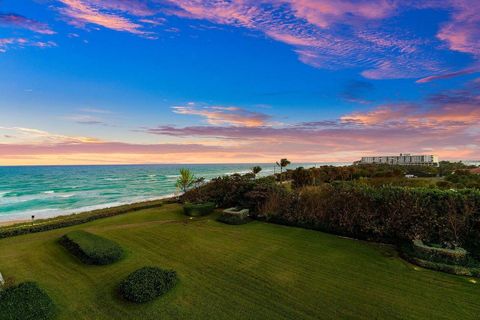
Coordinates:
(18, 21)
(107, 14)
(218, 115)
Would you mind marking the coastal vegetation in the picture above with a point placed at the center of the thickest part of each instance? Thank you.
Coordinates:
(370, 202)
(26, 301)
(186, 179)
(198, 209)
(90, 248)
(147, 283)
(257, 270)
(74, 219)
(417, 219)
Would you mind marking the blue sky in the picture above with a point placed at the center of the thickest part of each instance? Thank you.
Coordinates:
(88, 81)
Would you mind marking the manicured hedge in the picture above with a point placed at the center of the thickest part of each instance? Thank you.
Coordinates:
(25, 301)
(74, 219)
(234, 216)
(383, 214)
(198, 209)
(457, 256)
(92, 249)
(147, 283)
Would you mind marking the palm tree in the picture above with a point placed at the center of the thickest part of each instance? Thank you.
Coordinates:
(282, 164)
(256, 170)
(186, 179)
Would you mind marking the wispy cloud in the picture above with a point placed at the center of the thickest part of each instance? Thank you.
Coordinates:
(219, 115)
(7, 43)
(345, 33)
(445, 123)
(107, 14)
(447, 75)
(18, 21)
(462, 32)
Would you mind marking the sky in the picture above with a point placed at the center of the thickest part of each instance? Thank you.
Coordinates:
(217, 81)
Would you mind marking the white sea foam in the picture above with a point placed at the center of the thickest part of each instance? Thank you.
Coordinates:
(54, 212)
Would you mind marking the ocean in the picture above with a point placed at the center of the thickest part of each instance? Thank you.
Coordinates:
(48, 191)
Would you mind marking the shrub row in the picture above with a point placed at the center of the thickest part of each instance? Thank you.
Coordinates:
(90, 248)
(74, 219)
(25, 301)
(147, 283)
(385, 214)
(198, 209)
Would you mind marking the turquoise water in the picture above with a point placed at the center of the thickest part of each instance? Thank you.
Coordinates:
(47, 191)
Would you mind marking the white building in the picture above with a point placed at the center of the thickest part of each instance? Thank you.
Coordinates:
(403, 159)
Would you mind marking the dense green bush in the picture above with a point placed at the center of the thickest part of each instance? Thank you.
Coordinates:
(74, 219)
(198, 209)
(90, 248)
(235, 190)
(25, 301)
(386, 214)
(147, 283)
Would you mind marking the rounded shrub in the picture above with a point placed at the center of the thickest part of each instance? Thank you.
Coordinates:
(198, 209)
(147, 283)
(25, 301)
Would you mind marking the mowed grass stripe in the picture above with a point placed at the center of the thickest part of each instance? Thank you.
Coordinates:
(254, 271)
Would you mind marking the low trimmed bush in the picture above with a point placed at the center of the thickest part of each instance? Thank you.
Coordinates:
(457, 256)
(234, 216)
(90, 248)
(25, 301)
(147, 283)
(198, 209)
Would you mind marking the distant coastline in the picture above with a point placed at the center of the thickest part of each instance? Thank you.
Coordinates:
(50, 191)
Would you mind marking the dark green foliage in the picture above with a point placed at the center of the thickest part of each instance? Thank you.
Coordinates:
(25, 301)
(235, 190)
(385, 214)
(233, 220)
(92, 249)
(147, 283)
(463, 179)
(74, 219)
(436, 254)
(198, 209)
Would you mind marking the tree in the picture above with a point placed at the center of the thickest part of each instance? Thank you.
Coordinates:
(256, 170)
(186, 179)
(282, 164)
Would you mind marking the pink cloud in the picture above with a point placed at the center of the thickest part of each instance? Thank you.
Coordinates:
(82, 12)
(316, 30)
(446, 124)
(218, 115)
(18, 21)
(447, 75)
(461, 33)
(324, 13)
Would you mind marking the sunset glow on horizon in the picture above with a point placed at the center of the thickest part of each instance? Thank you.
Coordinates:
(190, 81)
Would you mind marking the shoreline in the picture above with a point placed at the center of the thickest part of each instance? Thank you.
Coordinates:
(74, 214)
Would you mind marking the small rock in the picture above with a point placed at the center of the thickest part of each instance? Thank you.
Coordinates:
(2, 281)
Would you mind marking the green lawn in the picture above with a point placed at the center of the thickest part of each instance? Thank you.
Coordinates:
(252, 271)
